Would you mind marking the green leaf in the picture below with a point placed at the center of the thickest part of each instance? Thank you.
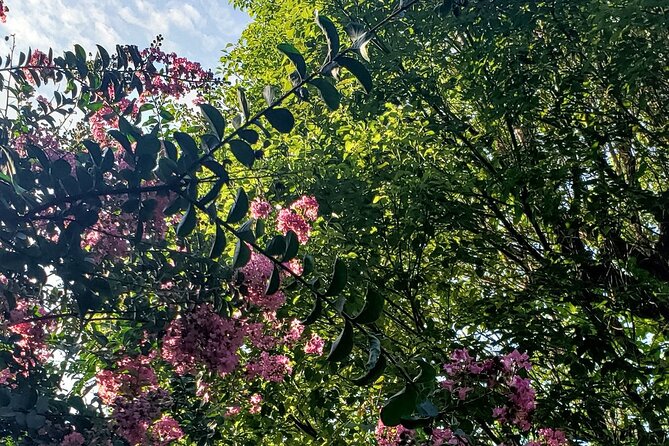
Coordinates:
(415, 422)
(188, 222)
(270, 93)
(327, 92)
(330, 34)
(343, 345)
(358, 70)
(427, 373)
(360, 38)
(281, 119)
(122, 139)
(315, 312)
(243, 152)
(216, 167)
(214, 118)
(274, 281)
(147, 145)
(373, 308)
(239, 208)
(219, 243)
(292, 246)
(338, 279)
(242, 254)
(308, 264)
(243, 104)
(399, 406)
(94, 150)
(295, 56)
(35, 421)
(276, 246)
(60, 169)
(187, 144)
(376, 364)
(250, 136)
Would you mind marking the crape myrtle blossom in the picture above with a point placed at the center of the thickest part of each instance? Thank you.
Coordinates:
(202, 337)
(32, 348)
(260, 208)
(314, 345)
(256, 274)
(73, 439)
(273, 368)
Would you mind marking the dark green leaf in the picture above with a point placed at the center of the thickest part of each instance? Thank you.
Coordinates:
(330, 34)
(376, 364)
(338, 279)
(214, 118)
(243, 152)
(187, 144)
(215, 167)
(60, 169)
(242, 254)
(281, 119)
(427, 373)
(343, 345)
(315, 312)
(188, 222)
(274, 281)
(219, 243)
(398, 406)
(328, 92)
(276, 246)
(94, 150)
(243, 104)
(292, 246)
(294, 55)
(239, 208)
(358, 70)
(373, 308)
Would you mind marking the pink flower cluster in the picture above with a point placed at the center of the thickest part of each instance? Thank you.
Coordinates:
(256, 401)
(46, 140)
(314, 345)
(133, 416)
(296, 218)
(32, 343)
(392, 436)
(131, 376)
(3, 11)
(445, 436)
(273, 368)
(179, 75)
(166, 430)
(39, 62)
(260, 208)
(73, 439)
(109, 237)
(256, 275)
(550, 437)
(202, 337)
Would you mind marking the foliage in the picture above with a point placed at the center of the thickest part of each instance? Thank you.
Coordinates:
(479, 188)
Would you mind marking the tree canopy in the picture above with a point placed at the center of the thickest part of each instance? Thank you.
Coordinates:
(425, 222)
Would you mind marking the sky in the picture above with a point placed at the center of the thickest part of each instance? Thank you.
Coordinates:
(196, 29)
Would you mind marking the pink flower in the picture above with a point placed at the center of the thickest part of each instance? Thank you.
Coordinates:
(273, 368)
(131, 376)
(202, 337)
(289, 220)
(73, 439)
(391, 436)
(166, 430)
(463, 391)
(232, 411)
(516, 360)
(307, 206)
(256, 275)
(3, 12)
(260, 208)
(294, 333)
(314, 345)
(440, 436)
(255, 401)
(553, 437)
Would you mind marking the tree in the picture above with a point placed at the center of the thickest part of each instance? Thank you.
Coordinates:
(488, 187)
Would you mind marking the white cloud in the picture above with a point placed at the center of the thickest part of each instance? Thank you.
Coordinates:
(197, 29)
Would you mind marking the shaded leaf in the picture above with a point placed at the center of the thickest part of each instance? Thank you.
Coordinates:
(281, 119)
(373, 308)
(214, 118)
(188, 222)
(358, 70)
(239, 208)
(343, 345)
(338, 278)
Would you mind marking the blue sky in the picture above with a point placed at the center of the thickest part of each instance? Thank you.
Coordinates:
(196, 29)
